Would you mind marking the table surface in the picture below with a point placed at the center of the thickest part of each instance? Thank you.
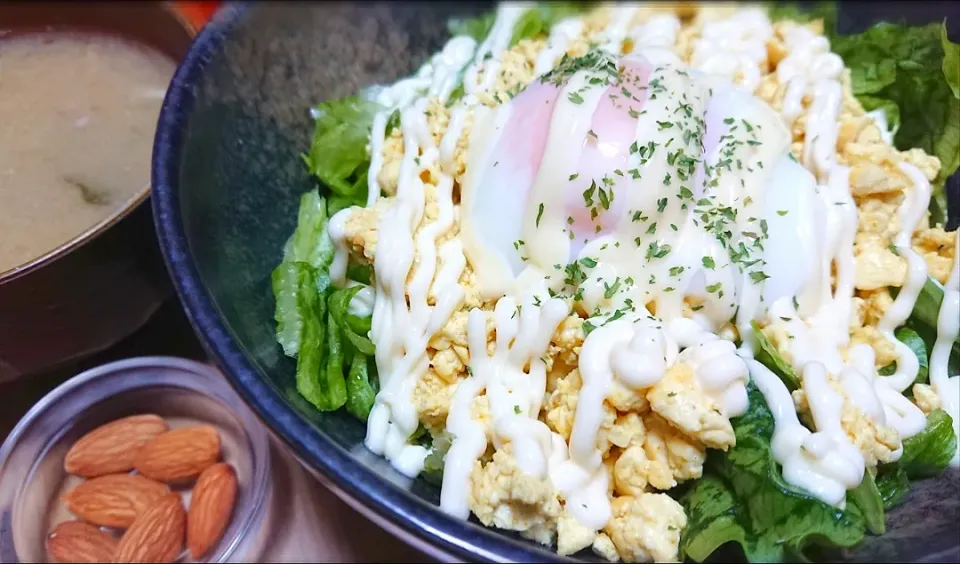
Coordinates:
(320, 526)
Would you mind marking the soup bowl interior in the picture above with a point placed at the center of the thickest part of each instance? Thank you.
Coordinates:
(227, 178)
(113, 266)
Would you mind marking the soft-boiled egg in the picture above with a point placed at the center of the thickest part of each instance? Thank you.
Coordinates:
(674, 181)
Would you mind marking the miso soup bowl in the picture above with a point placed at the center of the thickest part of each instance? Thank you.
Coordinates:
(95, 289)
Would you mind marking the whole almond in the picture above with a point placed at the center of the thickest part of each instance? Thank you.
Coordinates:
(112, 447)
(210, 508)
(179, 454)
(113, 500)
(156, 535)
(76, 541)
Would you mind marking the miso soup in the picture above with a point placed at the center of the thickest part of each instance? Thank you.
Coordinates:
(77, 119)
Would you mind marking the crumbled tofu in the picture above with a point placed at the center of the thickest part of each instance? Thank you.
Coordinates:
(503, 496)
(432, 396)
(671, 457)
(878, 267)
(646, 528)
(679, 399)
(604, 548)
(926, 398)
(878, 443)
(572, 537)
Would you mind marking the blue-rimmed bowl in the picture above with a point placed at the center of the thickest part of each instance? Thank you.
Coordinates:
(227, 177)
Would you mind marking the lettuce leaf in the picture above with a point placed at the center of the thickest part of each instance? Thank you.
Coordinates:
(928, 453)
(338, 154)
(294, 289)
(869, 502)
(477, 28)
(913, 68)
(539, 19)
(951, 61)
(313, 322)
(310, 242)
(768, 356)
(923, 320)
(909, 337)
(742, 498)
(892, 483)
(433, 463)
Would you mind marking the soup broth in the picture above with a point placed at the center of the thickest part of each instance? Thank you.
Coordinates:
(77, 119)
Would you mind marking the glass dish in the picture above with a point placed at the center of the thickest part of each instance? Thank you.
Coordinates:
(182, 392)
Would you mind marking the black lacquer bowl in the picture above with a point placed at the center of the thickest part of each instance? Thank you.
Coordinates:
(227, 178)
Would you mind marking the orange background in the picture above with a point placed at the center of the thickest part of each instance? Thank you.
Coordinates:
(196, 12)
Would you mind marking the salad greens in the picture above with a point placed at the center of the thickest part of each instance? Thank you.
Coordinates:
(928, 453)
(768, 356)
(535, 22)
(338, 155)
(912, 73)
(892, 483)
(313, 323)
(742, 498)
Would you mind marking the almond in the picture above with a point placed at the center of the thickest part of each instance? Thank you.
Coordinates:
(113, 500)
(156, 535)
(112, 448)
(76, 541)
(179, 454)
(210, 508)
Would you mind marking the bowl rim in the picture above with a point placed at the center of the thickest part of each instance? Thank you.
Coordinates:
(421, 523)
(138, 197)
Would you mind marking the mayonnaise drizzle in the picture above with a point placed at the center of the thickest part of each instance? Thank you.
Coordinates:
(914, 206)
(401, 332)
(561, 34)
(823, 463)
(514, 393)
(818, 324)
(948, 327)
(734, 47)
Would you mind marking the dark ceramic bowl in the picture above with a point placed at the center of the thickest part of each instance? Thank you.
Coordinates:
(95, 289)
(227, 178)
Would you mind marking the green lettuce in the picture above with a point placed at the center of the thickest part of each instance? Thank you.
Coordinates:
(313, 322)
(909, 337)
(923, 321)
(869, 502)
(534, 22)
(913, 68)
(539, 19)
(338, 154)
(478, 27)
(433, 463)
(742, 498)
(893, 484)
(768, 356)
(928, 453)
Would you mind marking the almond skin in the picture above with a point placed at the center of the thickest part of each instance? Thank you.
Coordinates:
(113, 447)
(113, 500)
(76, 541)
(156, 535)
(210, 508)
(179, 454)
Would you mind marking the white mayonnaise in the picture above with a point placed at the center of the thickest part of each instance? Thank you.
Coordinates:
(948, 327)
(824, 463)
(561, 34)
(514, 394)
(734, 47)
